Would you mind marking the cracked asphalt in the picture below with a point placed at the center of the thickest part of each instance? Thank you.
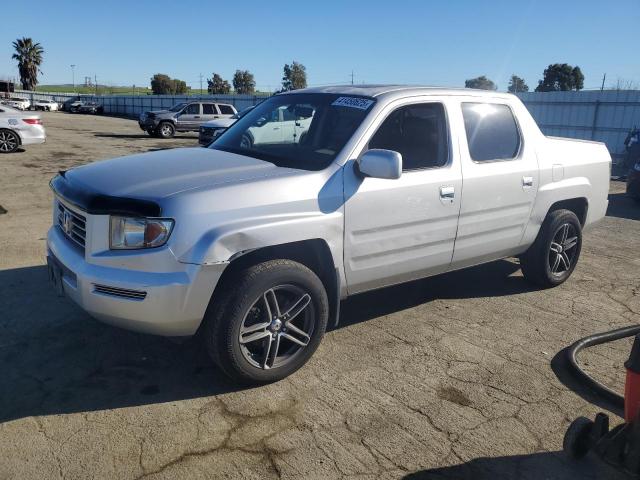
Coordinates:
(456, 376)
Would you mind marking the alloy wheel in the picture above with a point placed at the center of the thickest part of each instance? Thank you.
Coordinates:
(8, 142)
(268, 336)
(562, 250)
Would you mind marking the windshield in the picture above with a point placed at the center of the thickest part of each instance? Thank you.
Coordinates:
(178, 107)
(299, 130)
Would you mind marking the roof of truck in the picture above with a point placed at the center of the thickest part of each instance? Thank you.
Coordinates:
(379, 90)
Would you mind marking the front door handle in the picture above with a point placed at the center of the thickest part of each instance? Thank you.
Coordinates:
(196, 116)
(447, 193)
(527, 182)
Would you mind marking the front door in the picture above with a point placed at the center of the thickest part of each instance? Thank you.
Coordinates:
(189, 119)
(398, 230)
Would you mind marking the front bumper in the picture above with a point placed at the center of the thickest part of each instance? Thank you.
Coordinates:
(174, 302)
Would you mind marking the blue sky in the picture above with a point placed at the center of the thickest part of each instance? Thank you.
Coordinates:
(425, 42)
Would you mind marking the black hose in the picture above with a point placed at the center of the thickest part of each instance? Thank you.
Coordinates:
(590, 341)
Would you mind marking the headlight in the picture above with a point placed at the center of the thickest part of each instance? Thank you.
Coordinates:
(637, 167)
(129, 233)
(217, 132)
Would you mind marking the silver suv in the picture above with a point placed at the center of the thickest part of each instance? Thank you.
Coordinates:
(312, 196)
(183, 117)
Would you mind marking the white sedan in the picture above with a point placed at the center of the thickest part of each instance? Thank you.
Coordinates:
(45, 105)
(19, 128)
(17, 103)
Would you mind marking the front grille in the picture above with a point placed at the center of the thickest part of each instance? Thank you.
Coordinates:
(72, 224)
(119, 292)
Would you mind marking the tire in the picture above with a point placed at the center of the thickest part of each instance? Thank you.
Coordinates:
(246, 141)
(9, 141)
(152, 133)
(552, 258)
(271, 355)
(166, 130)
(577, 439)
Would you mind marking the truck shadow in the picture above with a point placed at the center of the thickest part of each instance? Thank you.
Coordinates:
(547, 465)
(56, 359)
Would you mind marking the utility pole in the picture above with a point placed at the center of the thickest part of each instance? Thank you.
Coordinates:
(351, 77)
(95, 80)
(73, 77)
(603, 79)
(201, 84)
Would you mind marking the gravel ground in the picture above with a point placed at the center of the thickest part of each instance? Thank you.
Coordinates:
(448, 377)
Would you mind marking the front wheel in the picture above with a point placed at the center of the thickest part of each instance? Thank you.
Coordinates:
(166, 130)
(268, 322)
(552, 258)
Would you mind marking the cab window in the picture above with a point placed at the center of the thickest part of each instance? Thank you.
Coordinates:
(418, 132)
(193, 109)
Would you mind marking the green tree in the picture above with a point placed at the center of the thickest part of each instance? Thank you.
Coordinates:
(217, 85)
(517, 84)
(294, 77)
(482, 83)
(243, 82)
(29, 57)
(162, 84)
(561, 77)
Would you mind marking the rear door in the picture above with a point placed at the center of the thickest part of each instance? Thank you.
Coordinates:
(209, 112)
(189, 119)
(500, 176)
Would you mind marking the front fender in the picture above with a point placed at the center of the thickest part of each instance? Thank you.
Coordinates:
(223, 242)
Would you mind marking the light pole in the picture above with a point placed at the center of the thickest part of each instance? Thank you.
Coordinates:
(73, 77)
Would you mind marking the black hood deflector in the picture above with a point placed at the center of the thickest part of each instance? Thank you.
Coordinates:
(96, 203)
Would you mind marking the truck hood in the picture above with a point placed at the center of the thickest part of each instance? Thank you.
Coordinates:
(220, 123)
(157, 175)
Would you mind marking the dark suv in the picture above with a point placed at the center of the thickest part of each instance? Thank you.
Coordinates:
(183, 117)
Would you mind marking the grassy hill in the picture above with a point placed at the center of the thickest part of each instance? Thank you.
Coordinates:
(107, 90)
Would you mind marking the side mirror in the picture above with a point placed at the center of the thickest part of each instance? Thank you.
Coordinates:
(378, 163)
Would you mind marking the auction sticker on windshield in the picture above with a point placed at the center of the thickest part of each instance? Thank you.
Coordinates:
(353, 102)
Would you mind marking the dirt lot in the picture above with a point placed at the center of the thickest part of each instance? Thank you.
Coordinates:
(449, 377)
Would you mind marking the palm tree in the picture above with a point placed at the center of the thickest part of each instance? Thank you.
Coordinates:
(29, 57)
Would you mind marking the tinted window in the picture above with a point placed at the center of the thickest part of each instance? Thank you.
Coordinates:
(492, 132)
(209, 109)
(418, 133)
(193, 109)
(226, 110)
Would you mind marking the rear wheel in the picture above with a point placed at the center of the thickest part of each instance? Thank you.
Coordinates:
(166, 130)
(9, 141)
(552, 258)
(268, 323)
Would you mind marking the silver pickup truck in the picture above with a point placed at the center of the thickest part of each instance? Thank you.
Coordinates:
(252, 242)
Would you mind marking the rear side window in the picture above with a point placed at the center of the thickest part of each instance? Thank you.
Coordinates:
(492, 132)
(209, 109)
(226, 109)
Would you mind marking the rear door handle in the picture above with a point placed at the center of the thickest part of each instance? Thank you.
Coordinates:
(447, 193)
(527, 182)
(196, 116)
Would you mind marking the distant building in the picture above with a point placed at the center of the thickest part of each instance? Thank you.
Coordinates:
(6, 88)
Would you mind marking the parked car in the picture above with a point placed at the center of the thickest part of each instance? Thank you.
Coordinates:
(253, 243)
(18, 128)
(46, 105)
(633, 182)
(90, 107)
(183, 117)
(71, 105)
(212, 129)
(17, 103)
